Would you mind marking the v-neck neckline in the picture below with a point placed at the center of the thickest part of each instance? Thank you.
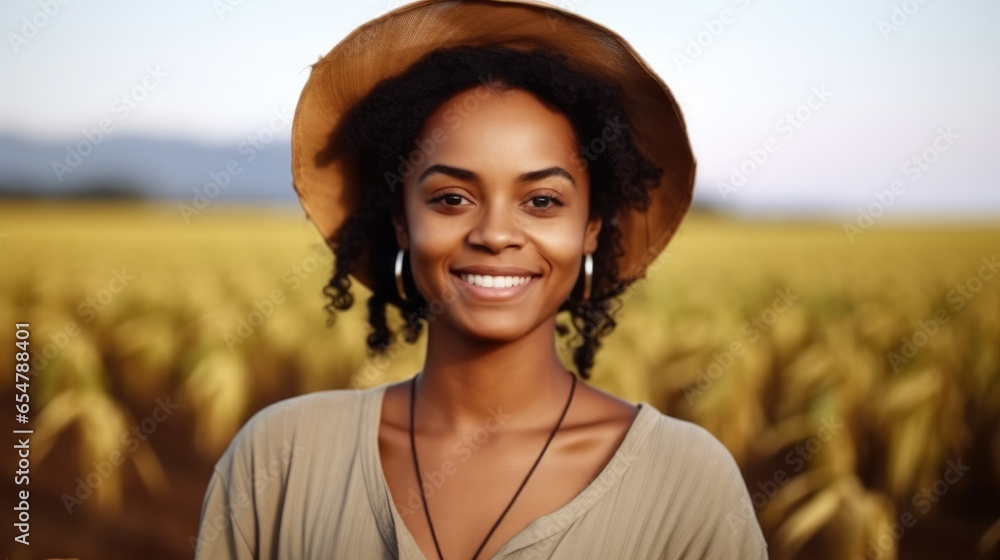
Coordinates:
(397, 536)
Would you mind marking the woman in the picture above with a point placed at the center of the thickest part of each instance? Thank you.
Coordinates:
(467, 181)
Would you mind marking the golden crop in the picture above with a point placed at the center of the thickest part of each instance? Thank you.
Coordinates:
(847, 379)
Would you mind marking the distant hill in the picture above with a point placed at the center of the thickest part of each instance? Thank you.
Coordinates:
(151, 168)
(126, 167)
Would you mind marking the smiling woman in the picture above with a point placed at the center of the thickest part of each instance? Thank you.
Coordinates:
(562, 128)
(503, 199)
(528, 165)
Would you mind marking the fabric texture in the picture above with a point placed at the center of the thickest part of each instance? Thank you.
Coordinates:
(302, 479)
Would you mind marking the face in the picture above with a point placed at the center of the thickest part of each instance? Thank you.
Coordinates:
(499, 197)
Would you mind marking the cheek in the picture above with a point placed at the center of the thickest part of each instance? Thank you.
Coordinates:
(563, 253)
(560, 249)
(432, 243)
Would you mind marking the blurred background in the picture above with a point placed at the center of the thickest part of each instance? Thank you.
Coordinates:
(830, 310)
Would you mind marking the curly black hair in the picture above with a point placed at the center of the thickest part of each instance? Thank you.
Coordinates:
(380, 130)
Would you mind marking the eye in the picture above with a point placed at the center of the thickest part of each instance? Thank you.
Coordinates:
(448, 199)
(546, 201)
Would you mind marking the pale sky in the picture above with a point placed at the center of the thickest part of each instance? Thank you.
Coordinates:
(216, 70)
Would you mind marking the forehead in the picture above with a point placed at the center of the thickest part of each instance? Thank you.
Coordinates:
(508, 131)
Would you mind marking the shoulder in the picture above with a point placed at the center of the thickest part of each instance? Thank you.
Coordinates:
(690, 453)
(701, 480)
(287, 429)
(333, 408)
(301, 439)
(689, 445)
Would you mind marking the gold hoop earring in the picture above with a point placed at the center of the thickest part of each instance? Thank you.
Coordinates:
(399, 276)
(588, 275)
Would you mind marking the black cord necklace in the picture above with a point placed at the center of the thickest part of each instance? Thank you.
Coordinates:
(416, 466)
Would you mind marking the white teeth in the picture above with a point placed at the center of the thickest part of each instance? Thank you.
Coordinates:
(495, 281)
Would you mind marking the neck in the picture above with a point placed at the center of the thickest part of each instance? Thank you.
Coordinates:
(464, 382)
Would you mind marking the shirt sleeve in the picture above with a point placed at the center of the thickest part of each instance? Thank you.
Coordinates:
(225, 523)
(244, 502)
(726, 526)
(736, 532)
(228, 529)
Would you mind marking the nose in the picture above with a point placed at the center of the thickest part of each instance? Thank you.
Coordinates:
(497, 227)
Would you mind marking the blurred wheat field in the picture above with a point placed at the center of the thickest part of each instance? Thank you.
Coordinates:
(857, 384)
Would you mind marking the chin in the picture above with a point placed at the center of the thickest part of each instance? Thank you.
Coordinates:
(492, 326)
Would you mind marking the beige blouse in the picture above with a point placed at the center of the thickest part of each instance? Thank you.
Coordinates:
(303, 479)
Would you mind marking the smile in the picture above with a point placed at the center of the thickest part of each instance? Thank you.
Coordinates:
(493, 287)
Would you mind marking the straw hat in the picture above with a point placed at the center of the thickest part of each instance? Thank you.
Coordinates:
(388, 45)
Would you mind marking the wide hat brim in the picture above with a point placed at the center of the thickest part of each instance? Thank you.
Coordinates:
(386, 46)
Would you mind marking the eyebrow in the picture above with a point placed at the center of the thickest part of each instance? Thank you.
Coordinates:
(465, 174)
(554, 171)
